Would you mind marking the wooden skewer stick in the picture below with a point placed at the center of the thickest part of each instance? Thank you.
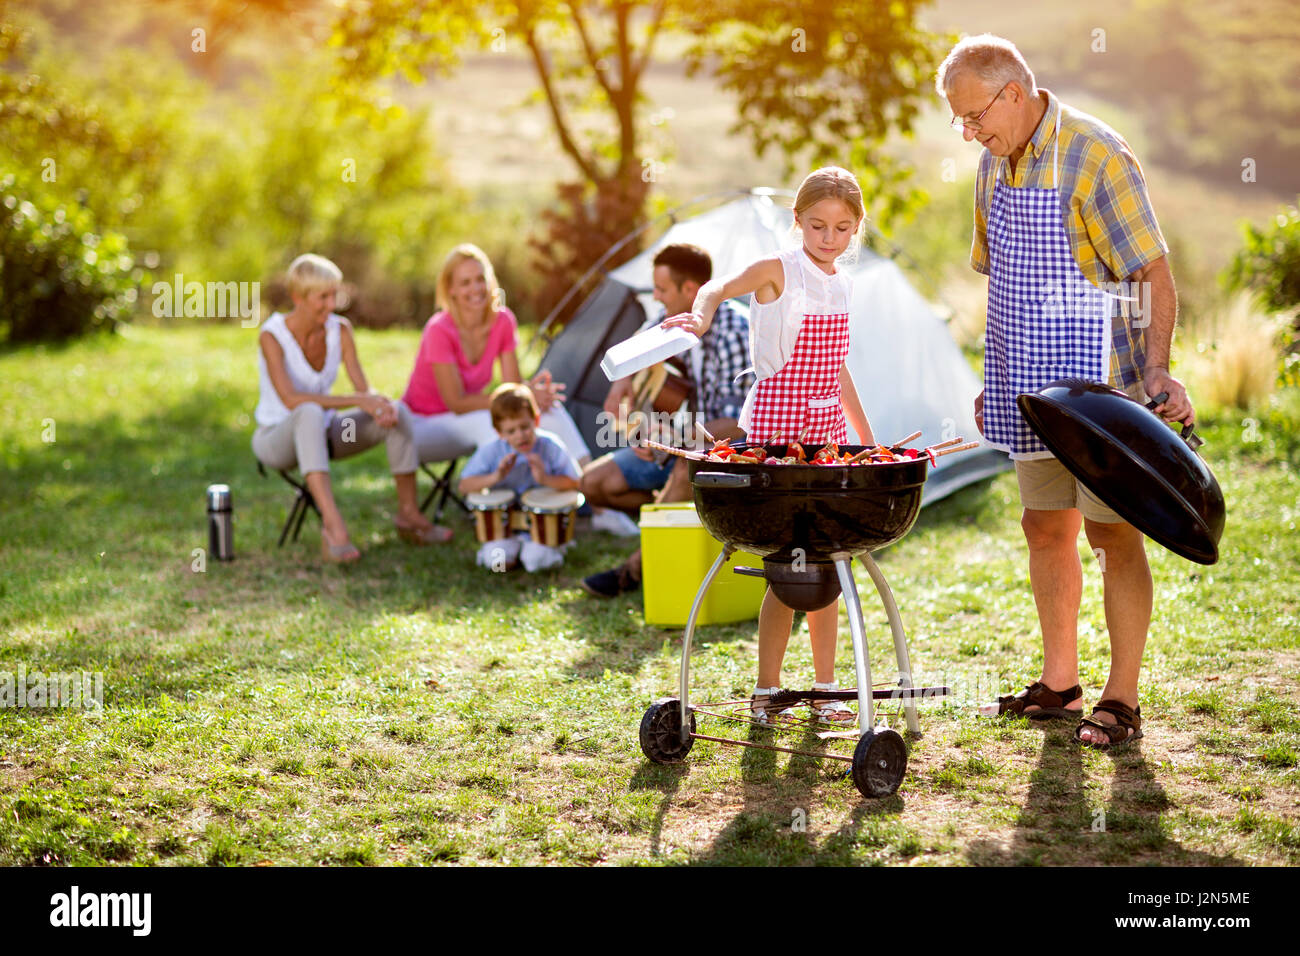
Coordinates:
(680, 453)
(948, 451)
(945, 444)
(705, 432)
(868, 452)
(902, 442)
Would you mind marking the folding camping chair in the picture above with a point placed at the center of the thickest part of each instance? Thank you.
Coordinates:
(303, 501)
(298, 510)
(442, 488)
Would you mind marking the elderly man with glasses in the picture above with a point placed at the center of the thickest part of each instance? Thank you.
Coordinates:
(1066, 234)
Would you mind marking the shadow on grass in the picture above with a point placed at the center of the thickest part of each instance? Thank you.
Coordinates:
(1064, 821)
(667, 780)
(778, 808)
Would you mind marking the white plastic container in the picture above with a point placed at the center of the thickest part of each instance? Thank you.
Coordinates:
(644, 349)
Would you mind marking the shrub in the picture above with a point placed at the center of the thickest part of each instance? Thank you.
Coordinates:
(229, 184)
(60, 276)
(1269, 262)
(1236, 357)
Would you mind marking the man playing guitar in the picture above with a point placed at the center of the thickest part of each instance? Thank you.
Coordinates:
(716, 372)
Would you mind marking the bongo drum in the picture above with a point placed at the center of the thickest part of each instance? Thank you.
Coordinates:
(552, 515)
(491, 508)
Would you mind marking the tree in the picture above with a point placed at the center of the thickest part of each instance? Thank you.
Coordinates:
(1216, 82)
(822, 82)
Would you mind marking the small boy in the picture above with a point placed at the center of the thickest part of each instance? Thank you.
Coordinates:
(521, 458)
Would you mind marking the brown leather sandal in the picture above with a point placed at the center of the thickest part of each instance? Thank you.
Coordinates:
(1127, 726)
(1051, 702)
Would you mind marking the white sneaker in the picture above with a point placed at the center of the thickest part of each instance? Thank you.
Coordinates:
(615, 522)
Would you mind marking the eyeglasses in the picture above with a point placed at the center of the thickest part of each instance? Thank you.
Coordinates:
(974, 125)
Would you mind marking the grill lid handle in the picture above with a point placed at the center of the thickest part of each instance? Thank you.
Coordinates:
(1193, 440)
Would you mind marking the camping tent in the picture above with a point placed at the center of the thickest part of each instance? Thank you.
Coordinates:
(907, 369)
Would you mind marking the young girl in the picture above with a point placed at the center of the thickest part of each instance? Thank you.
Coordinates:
(798, 340)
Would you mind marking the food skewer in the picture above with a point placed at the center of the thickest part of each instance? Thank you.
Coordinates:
(902, 442)
(948, 451)
(865, 453)
(945, 444)
(679, 452)
(885, 453)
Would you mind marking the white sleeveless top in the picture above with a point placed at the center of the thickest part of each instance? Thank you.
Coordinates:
(272, 411)
(774, 326)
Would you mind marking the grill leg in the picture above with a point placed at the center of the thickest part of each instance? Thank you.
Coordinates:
(900, 639)
(684, 682)
(861, 660)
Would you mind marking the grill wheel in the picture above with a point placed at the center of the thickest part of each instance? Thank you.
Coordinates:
(661, 732)
(879, 763)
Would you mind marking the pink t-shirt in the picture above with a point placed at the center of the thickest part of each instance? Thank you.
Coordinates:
(440, 344)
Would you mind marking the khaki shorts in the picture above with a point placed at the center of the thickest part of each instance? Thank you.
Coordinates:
(1046, 485)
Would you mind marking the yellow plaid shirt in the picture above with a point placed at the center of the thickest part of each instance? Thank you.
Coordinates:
(1107, 214)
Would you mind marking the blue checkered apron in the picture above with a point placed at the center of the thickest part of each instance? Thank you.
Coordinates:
(1046, 321)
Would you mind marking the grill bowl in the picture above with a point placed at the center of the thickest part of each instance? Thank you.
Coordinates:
(807, 512)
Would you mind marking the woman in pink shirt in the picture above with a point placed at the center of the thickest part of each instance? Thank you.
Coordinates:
(447, 393)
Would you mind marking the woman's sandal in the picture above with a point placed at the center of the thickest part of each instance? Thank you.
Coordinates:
(831, 711)
(1051, 703)
(344, 553)
(1127, 725)
(433, 534)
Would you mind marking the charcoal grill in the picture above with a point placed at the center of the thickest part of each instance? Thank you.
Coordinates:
(807, 522)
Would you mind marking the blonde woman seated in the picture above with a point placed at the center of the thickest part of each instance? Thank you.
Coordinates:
(299, 421)
(453, 367)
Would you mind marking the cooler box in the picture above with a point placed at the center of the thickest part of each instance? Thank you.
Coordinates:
(676, 554)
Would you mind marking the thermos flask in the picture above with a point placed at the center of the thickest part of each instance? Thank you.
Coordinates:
(221, 542)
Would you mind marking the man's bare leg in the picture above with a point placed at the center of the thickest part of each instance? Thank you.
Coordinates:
(604, 486)
(1126, 582)
(1056, 577)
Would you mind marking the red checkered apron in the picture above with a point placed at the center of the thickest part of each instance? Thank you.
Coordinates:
(803, 399)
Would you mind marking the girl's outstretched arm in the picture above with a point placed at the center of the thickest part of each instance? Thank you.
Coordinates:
(853, 412)
(765, 277)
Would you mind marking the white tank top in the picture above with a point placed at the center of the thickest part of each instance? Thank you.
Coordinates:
(272, 411)
(774, 326)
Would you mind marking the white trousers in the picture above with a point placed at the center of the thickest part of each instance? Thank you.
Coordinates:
(300, 440)
(448, 435)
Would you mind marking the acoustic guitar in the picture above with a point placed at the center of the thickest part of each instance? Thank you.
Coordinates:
(659, 390)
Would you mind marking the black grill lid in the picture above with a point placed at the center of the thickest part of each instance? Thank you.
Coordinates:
(1129, 458)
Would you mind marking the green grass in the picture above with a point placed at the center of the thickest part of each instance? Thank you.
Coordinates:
(413, 709)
